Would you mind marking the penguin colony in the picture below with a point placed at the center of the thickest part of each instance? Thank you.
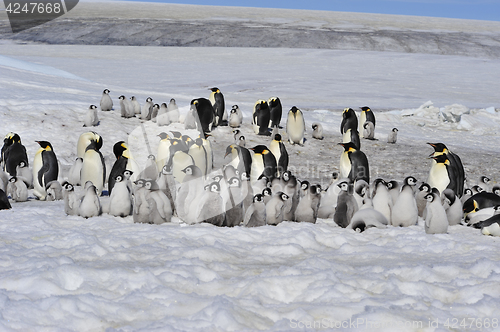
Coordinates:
(255, 188)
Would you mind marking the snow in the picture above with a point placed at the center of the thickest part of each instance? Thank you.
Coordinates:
(63, 272)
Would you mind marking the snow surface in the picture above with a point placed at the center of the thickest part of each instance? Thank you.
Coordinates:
(107, 273)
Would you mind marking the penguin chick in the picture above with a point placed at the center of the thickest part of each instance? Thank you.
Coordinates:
(436, 221)
(404, 212)
(120, 202)
(90, 206)
(366, 218)
(423, 190)
(91, 119)
(211, 206)
(71, 201)
(106, 102)
(393, 136)
(255, 215)
(173, 111)
(369, 130)
(54, 191)
(346, 205)
(4, 201)
(147, 109)
(17, 189)
(317, 131)
(453, 207)
(274, 208)
(234, 119)
(127, 109)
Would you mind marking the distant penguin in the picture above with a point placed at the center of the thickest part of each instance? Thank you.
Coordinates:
(154, 112)
(135, 105)
(346, 205)
(106, 102)
(453, 207)
(234, 119)
(436, 221)
(93, 167)
(261, 118)
(4, 201)
(13, 153)
(90, 206)
(84, 140)
(238, 112)
(147, 109)
(277, 147)
(217, 100)
(127, 109)
(91, 119)
(366, 116)
(255, 215)
(17, 189)
(275, 110)
(274, 208)
(353, 163)
(317, 131)
(191, 121)
(349, 121)
(205, 112)
(263, 162)
(45, 169)
(368, 131)
(423, 190)
(405, 211)
(393, 136)
(71, 201)
(295, 126)
(54, 191)
(237, 134)
(211, 205)
(190, 190)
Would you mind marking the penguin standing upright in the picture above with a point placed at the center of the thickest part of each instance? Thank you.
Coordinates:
(349, 121)
(381, 199)
(90, 205)
(442, 175)
(154, 112)
(241, 158)
(45, 169)
(317, 131)
(106, 102)
(217, 100)
(366, 116)
(17, 189)
(13, 153)
(135, 105)
(162, 118)
(234, 206)
(353, 163)
(423, 190)
(205, 112)
(295, 126)
(368, 131)
(160, 207)
(276, 110)
(405, 211)
(120, 164)
(277, 147)
(84, 140)
(263, 163)
(91, 119)
(147, 109)
(199, 154)
(457, 183)
(261, 118)
(346, 205)
(166, 183)
(436, 221)
(234, 119)
(93, 167)
(453, 207)
(255, 215)
(211, 204)
(393, 136)
(71, 201)
(275, 207)
(352, 135)
(328, 201)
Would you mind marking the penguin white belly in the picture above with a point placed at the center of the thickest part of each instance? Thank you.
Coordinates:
(404, 212)
(120, 203)
(75, 171)
(274, 147)
(304, 212)
(93, 170)
(106, 103)
(346, 137)
(345, 166)
(39, 190)
(180, 160)
(438, 177)
(436, 221)
(90, 206)
(295, 129)
(381, 203)
(361, 122)
(257, 168)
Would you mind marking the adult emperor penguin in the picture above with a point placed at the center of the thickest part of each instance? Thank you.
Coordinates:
(45, 169)
(436, 221)
(295, 126)
(277, 147)
(346, 205)
(13, 153)
(366, 115)
(17, 189)
(71, 201)
(317, 131)
(393, 136)
(205, 112)
(261, 118)
(91, 119)
(147, 109)
(263, 163)
(93, 167)
(352, 135)
(217, 100)
(276, 110)
(455, 163)
(442, 175)
(106, 102)
(84, 140)
(4, 201)
(353, 163)
(404, 211)
(255, 215)
(349, 120)
(90, 205)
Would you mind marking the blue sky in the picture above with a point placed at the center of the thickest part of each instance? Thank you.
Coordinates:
(477, 10)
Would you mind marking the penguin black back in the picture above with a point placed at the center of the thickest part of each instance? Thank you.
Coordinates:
(205, 112)
(349, 120)
(261, 117)
(219, 107)
(276, 110)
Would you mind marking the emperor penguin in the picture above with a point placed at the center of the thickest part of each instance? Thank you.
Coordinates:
(346, 205)
(453, 207)
(147, 109)
(135, 105)
(404, 212)
(349, 121)
(442, 175)
(241, 158)
(54, 191)
(120, 165)
(381, 199)
(394, 189)
(328, 201)
(74, 171)
(242, 142)
(71, 201)
(93, 167)
(261, 118)
(84, 140)
(13, 153)
(234, 118)
(353, 163)
(173, 111)
(307, 209)
(150, 171)
(199, 154)
(263, 163)
(275, 110)
(368, 131)
(423, 190)
(162, 118)
(366, 116)
(366, 218)
(467, 194)
(238, 112)
(154, 112)
(212, 208)
(90, 205)
(275, 207)
(205, 112)
(393, 136)
(436, 221)
(179, 160)
(17, 189)
(106, 102)
(91, 119)
(160, 208)
(127, 109)
(45, 169)
(480, 201)
(191, 121)
(4, 201)
(277, 147)
(485, 182)
(190, 190)
(352, 135)
(217, 100)
(455, 164)
(317, 131)
(163, 152)
(234, 206)
(255, 215)
(495, 190)
(295, 126)
(167, 184)
(267, 193)
(24, 173)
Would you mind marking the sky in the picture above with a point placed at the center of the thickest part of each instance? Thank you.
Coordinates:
(463, 9)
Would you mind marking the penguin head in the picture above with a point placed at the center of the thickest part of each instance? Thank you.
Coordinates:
(315, 189)
(176, 134)
(163, 135)
(152, 157)
(172, 101)
(166, 170)
(164, 105)
(335, 176)
(234, 182)
(395, 130)
(314, 126)
(241, 139)
(348, 112)
(132, 98)
(260, 149)
(468, 191)
(286, 176)
(139, 183)
(244, 176)
(45, 145)
(495, 190)
(217, 178)
(348, 147)
(106, 91)
(263, 178)
(439, 147)
(119, 148)
(294, 111)
(267, 192)
(436, 192)
(411, 181)
(214, 89)
(122, 97)
(234, 107)
(67, 186)
(361, 187)
(118, 178)
(192, 170)
(229, 150)
(277, 137)
(149, 100)
(477, 189)
(429, 197)
(304, 185)
(151, 185)
(236, 132)
(93, 107)
(441, 159)
(156, 107)
(234, 111)
(449, 196)
(13, 179)
(92, 146)
(214, 187)
(485, 179)
(365, 109)
(344, 186)
(283, 196)
(127, 174)
(258, 198)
